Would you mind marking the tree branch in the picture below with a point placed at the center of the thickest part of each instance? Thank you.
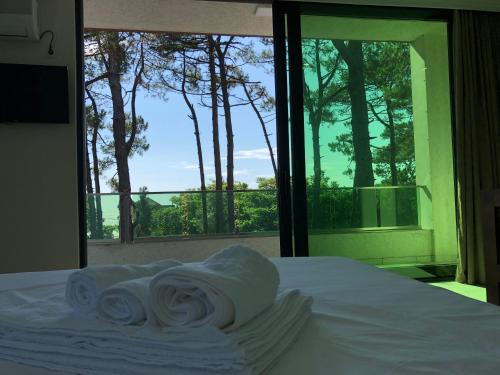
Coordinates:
(96, 79)
(377, 116)
(137, 81)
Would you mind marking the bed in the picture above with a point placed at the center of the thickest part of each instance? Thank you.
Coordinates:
(365, 321)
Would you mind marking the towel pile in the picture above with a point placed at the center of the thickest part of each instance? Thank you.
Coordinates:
(222, 316)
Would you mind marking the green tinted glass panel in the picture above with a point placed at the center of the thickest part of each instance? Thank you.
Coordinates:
(368, 119)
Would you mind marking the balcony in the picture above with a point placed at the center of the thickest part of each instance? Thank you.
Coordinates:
(379, 225)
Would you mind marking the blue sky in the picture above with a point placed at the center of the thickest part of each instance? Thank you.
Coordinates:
(171, 163)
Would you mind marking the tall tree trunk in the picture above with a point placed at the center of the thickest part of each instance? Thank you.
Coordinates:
(90, 198)
(352, 53)
(264, 129)
(393, 150)
(317, 100)
(95, 164)
(119, 136)
(219, 206)
(139, 69)
(229, 132)
(390, 126)
(95, 167)
(392, 144)
(363, 175)
(194, 117)
(316, 117)
(316, 193)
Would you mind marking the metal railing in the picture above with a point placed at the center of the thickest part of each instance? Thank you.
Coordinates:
(205, 213)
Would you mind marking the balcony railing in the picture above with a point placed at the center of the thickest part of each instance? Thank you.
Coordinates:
(197, 213)
(364, 208)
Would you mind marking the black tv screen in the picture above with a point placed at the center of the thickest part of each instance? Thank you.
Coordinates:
(33, 94)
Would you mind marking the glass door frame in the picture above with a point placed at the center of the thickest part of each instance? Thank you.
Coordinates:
(292, 202)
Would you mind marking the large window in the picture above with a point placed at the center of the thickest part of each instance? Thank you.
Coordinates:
(360, 151)
(183, 142)
(181, 134)
(371, 152)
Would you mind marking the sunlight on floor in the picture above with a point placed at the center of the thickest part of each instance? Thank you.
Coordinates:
(471, 291)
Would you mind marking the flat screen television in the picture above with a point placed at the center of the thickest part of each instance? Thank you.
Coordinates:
(33, 94)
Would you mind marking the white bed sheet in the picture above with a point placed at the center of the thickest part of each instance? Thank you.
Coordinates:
(365, 321)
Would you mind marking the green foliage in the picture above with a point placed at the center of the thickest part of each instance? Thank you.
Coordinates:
(335, 205)
(143, 214)
(91, 119)
(140, 145)
(266, 183)
(326, 101)
(388, 87)
(405, 157)
(255, 211)
(110, 231)
(326, 87)
(166, 221)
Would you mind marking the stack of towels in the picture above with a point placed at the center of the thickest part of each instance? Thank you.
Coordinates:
(225, 315)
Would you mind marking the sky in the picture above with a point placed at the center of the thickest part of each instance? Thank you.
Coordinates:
(171, 163)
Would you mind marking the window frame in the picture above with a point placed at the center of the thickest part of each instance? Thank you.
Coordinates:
(287, 16)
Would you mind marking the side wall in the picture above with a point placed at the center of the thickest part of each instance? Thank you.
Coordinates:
(433, 140)
(38, 162)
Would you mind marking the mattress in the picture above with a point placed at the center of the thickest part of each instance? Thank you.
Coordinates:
(365, 321)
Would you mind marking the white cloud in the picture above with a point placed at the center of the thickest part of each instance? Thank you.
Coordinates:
(190, 166)
(185, 165)
(264, 175)
(236, 172)
(241, 172)
(259, 154)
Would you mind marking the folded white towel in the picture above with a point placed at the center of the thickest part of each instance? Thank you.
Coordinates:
(266, 337)
(226, 290)
(84, 286)
(38, 328)
(125, 302)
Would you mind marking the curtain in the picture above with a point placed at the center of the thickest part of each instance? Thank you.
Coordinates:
(476, 54)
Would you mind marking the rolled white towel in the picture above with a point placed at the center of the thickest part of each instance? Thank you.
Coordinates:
(83, 287)
(125, 303)
(226, 290)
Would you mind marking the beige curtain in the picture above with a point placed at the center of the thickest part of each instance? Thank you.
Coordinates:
(476, 53)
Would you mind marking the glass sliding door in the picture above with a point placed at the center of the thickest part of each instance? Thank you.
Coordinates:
(373, 174)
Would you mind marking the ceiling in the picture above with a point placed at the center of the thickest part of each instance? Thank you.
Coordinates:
(344, 28)
(215, 17)
(183, 16)
(491, 5)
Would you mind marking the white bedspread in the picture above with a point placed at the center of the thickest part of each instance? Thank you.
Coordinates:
(366, 321)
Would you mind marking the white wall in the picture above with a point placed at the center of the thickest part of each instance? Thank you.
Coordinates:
(38, 162)
(433, 139)
(192, 16)
(186, 250)
(376, 247)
